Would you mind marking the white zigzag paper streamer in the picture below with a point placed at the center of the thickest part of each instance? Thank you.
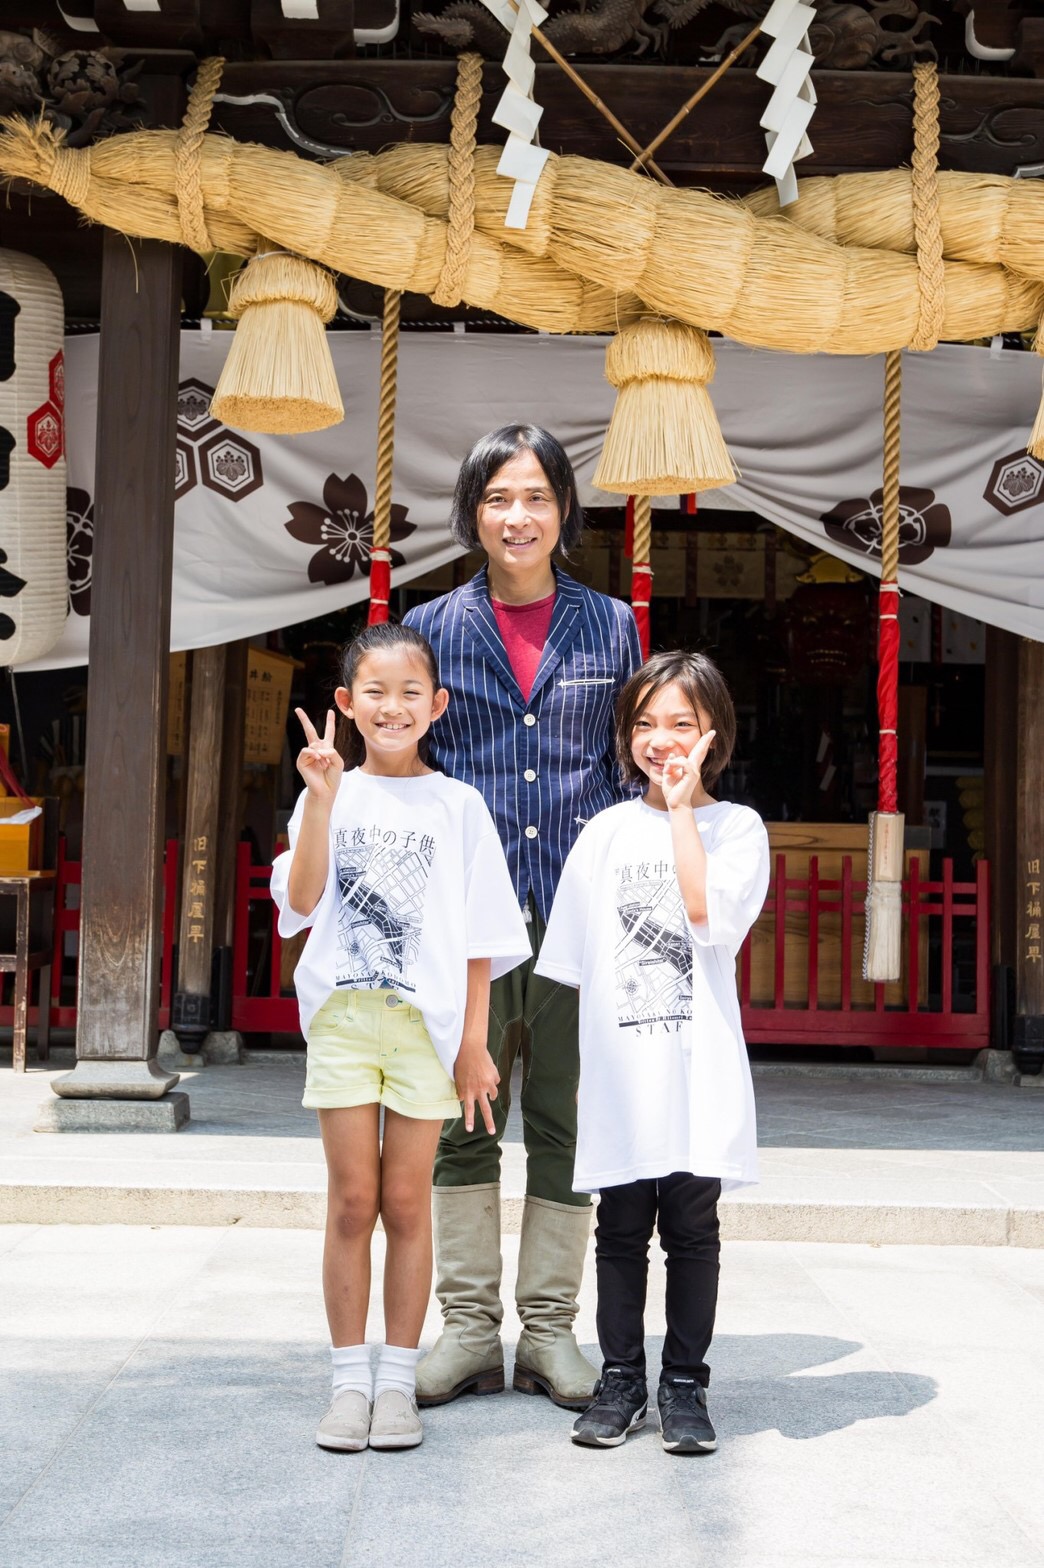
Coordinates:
(516, 112)
(790, 109)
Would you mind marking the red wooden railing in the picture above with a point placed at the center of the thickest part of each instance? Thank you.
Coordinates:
(259, 1003)
(916, 1020)
(67, 920)
(935, 909)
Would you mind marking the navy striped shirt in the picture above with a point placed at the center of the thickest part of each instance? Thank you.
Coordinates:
(546, 766)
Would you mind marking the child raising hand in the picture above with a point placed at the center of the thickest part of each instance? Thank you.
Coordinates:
(399, 873)
(653, 906)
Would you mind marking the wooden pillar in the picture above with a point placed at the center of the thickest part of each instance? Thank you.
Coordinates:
(230, 808)
(129, 640)
(1000, 766)
(1028, 1041)
(191, 1013)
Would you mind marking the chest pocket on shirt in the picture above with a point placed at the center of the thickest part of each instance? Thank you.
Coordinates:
(587, 670)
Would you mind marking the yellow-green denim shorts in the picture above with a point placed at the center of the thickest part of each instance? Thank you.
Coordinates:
(372, 1048)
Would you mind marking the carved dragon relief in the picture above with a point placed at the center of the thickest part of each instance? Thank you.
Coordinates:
(85, 92)
(844, 37)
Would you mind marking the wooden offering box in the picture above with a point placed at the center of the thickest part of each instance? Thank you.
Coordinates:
(21, 843)
(816, 900)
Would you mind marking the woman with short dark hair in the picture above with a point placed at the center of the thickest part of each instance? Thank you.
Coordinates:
(533, 662)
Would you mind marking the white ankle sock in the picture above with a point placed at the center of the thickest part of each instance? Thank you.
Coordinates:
(352, 1369)
(396, 1368)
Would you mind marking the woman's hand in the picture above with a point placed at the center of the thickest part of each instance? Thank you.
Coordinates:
(681, 775)
(475, 1077)
(320, 764)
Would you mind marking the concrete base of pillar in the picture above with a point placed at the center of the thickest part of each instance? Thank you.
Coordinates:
(997, 1066)
(92, 1079)
(171, 1055)
(99, 1115)
(223, 1047)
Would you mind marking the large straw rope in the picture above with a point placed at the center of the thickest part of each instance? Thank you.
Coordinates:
(188, 183)
(380, 554)
(449, 289)
(690, 255)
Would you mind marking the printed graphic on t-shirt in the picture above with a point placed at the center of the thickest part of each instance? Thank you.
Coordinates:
(653, 951)
(382, 876)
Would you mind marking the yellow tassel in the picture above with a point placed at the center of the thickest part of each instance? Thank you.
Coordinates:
(664, 437)
(279, 377)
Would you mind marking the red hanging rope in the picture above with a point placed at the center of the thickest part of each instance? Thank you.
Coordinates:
(641, 575)
(888, 598)
(641, 597)
(888, 698)
(380, 586)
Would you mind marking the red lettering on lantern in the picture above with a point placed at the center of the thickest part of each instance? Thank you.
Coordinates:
(45, 435)
(56, 379)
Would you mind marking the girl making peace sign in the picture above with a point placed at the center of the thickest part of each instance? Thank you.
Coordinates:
(655, 901)
(399, 873)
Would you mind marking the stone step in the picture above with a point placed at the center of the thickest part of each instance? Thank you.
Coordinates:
(749, 1216)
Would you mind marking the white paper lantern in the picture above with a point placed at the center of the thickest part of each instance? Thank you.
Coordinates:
(34, 591)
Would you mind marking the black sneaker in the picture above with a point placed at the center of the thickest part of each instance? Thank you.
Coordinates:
(621, 1400)
(684, 1421)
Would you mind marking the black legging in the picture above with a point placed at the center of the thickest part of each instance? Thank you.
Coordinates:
(686, 1209)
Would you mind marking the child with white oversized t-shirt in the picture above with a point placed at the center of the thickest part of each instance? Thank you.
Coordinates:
(655, 901)
(399, 873)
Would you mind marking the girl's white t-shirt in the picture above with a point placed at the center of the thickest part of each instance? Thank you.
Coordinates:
(664, 1079)
(417, 885)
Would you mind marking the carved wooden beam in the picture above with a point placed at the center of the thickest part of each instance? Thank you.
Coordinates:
(988, 124)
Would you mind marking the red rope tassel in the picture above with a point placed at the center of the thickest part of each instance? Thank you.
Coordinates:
(380, 586)
(641, 597)
(888, 698)
(691, 504)
(629, 529)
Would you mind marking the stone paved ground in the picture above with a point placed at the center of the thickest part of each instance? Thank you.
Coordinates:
(842, 1159)
(876, 1406)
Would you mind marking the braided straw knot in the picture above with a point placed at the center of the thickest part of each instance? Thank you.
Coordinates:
(188, 182)
(70, 172)
(931, 274)
(449, 289)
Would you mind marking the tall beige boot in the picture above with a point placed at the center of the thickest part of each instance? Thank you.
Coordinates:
(550, 1266)
(468, 1357)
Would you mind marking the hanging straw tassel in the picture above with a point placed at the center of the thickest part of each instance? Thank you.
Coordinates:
(882, 951)
(279, 377)
(664, 437)
(380, 554)
(640, 507)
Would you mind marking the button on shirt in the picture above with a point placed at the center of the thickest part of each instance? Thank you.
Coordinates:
(545, 765)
